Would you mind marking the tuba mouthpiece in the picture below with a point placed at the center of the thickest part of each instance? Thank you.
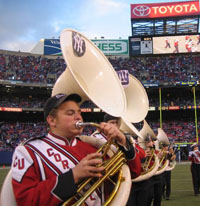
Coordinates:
(79, 125)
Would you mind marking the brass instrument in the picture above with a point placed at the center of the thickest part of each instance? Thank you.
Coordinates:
(89, 74)
(162, 139)
(114, 165)
(172, 163)
(148, 169)
(137, 101)
(151, 164)
(148, 160)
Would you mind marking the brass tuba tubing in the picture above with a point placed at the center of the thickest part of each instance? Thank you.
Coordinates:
(148, 160)
(116, 164)
(111, 167)
(80, 124)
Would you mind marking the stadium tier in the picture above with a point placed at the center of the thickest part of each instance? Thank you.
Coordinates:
(26, 82)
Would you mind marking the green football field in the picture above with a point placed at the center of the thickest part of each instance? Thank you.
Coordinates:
(182, 191)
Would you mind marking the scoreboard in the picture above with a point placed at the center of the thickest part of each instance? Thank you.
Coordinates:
(139, 46)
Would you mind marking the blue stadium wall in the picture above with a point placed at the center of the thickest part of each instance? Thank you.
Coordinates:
(6, 158)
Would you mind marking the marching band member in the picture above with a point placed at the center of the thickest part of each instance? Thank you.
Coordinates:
(139, 192)
(115, 121)
(137, 195)
(155, 188)
(167, 174)
(194, 157)
(46, 170)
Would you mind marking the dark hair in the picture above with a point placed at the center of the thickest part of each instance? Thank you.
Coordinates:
(108, 117)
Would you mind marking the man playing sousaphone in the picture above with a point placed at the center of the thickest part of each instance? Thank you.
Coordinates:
(49, 170)
(116, 121)
(155, 184)
(46, 170)
(167, 173)
(139, 189)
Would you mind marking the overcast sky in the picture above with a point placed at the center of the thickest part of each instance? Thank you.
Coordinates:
(24, 22)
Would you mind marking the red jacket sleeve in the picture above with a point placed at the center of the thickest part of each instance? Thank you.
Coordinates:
(28, 187)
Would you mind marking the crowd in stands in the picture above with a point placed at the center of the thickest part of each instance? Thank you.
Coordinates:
(161, 69)
(154, 69)
(21, 101)
(13, 133)
(178, 131)
(30, 69)
(38, 102)
(40, 69)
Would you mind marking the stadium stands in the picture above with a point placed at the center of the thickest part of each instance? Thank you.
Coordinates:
(163, 69)
(42, 69)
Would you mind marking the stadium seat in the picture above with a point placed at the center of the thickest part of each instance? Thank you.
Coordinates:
(7, 196)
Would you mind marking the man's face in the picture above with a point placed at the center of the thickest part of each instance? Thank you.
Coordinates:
(114, 122)
(150, 144)
(196, 148)
(64, 122)
(165, 148)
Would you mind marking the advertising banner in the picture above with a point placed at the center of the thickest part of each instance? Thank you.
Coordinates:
(168, 9)
(10, 109)
(107, 46)
(52, 47)
(112, 47)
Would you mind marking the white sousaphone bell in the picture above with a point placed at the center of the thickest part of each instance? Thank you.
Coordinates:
(137, 101)
(146, 130)
(137, 109)
(89, 74)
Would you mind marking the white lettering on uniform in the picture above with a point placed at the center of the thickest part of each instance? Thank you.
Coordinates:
(57, 157)
(21, 162)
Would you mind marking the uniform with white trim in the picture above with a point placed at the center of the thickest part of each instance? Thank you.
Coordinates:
(43, 168)
(194, 157)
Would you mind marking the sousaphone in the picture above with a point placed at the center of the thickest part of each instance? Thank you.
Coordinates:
(151, 164)
(137, 101)
(162, 139)
(90, 75)
(172, 163)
